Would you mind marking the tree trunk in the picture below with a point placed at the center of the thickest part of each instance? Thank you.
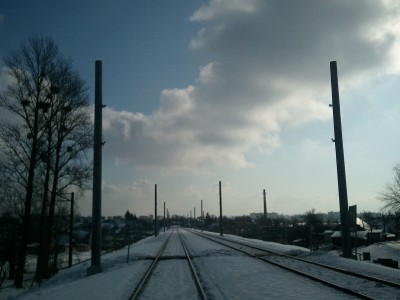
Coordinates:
(26, 221)
(43, 242)
(48, 232)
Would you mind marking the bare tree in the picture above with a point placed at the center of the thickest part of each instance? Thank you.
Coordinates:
(46, 142)
(10, 214)
(69, 137)
(391, 195)
(314, 222)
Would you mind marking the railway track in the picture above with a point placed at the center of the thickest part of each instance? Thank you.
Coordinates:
(144, 282)
(349, 282)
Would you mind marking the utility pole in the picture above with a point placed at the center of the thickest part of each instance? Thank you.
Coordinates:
(194, 217)
(164, 217)
(97, 159)
(71, 230)
(340, 166)
(265, 205)
(168, 221)
(155, 210)
(220, 210)
(202, 216)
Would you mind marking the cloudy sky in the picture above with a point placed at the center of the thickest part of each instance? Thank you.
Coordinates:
(236, 91)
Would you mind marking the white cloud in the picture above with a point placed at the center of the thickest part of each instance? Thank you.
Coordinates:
(116, 199)
(311, 147)
(207, 74)
(272, 72)
(219, 8)
(282, 41)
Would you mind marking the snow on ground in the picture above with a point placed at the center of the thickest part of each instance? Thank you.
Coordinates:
(115, 282)
(280, 248)
(174, 278)
(383, 250)
(228, 274)
(225, 274)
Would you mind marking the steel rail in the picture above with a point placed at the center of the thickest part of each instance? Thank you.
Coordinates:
(142, 284)
(337, 269)
(195, 276)
(224, 241)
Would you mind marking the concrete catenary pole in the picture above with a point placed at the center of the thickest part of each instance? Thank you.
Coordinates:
(167, 218)
(71, 230)
(97, 158)
(265, 204)
(220, 210)
(164, 217)
(202, 216)
(340, 166)
(155, 210)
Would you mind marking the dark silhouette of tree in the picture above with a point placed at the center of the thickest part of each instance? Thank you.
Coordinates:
(391, 195)
(129, 216)
(208, 220)
(312, 219)
(9, 233)
(68, 138)
(313, 223)
(46, 140)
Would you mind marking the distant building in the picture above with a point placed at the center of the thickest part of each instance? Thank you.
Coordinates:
(364, 235)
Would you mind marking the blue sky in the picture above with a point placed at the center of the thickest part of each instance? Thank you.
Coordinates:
(238, 91)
